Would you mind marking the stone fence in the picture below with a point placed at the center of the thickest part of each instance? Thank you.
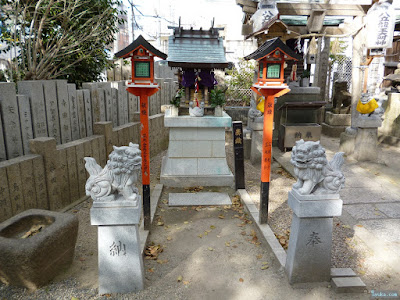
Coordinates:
(54, 108)
(48, 127)
(54, 176)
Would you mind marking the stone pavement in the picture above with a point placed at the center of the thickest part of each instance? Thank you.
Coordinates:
(371, 198)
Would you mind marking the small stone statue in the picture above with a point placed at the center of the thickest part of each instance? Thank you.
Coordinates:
(253, 111)
(371, 107)
(118, 177)
(315, 175)
(341, 98)
(195, 110)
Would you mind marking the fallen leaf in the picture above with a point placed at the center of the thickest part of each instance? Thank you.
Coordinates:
(205, 232)
(74, 298)
(169, 238)
(218, 236)
(200, 235)
(185, 282)
(165, 201)
(241, 279)
(198, 208)
(210, 249)
(82, 259)
(151, 270)
(184, 208)
(212, 227)
(186, 222)
(162, 209)
(180, 278)
(359, 225)
(259, 256)
(264, 267)
(221, 216)
(234, 246)
(346, 226)
(243, 233)
(227, 244)
(159, 223)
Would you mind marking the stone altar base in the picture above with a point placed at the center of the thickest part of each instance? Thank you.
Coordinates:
(309, 253)
(335, 124)
(366, 144)
(196, 152)
(120, 258)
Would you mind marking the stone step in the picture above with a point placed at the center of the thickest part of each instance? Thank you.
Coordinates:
(348, 285)
(204, 198)
(342, 272)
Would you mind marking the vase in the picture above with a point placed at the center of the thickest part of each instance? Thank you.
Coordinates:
(218, 111)
(305, 82)
(174, 111)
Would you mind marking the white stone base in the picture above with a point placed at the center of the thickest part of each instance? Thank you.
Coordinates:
(204, 198)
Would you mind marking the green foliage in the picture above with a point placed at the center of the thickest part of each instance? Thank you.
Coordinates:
(176, 100)
(240, 78)
(217, 97)
(60, 39)
(341, 48)
(305, 74)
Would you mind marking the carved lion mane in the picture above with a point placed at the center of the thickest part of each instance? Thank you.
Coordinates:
(314, 173)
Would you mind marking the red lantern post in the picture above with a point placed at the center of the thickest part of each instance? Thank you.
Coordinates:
(142, 85)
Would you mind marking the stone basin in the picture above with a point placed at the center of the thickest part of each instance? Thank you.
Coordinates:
(35, 260)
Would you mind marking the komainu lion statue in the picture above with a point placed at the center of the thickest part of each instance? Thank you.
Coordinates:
(118, 177)
(315, 175)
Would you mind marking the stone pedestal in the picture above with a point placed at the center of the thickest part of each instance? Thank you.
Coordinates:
(309, 253)
(120, 258)
(335, 124)
(256, 127)
(196, 152)
(366, 144)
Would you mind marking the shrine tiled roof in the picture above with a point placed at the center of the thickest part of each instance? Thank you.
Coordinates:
(140, 41)
(269, 46)
(189, 48)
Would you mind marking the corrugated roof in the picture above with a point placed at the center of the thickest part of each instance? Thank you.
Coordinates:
(196, 48)
(136, 43)
(271, 45)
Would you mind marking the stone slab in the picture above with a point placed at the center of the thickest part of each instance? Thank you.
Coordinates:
(81, 113)
(337, 119)
(364, 122)
(63, 176)
(40, 183)
(114, 98)
(34, 90)
(342, 272)
(204, 198)
(120, 259)
(205, 121)
(53, 118)
(88, 112)
(364, 211)
(348, 285)
(28, 187)
(387, 230)
(197, 180)
(10, 118)
(195, 134)
(106, 86)
(366, 144)
(359, 195)
(104, 213)
(64, 111)
(5, 202)
(3, 153)
(73, 106)
(392, 210)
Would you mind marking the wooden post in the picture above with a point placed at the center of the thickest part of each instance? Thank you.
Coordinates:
(237, 136)
(270, 94)
(144, 94)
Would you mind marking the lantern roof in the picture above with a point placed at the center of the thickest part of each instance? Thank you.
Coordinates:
(140, 41)
(196, 48)
(270, 46)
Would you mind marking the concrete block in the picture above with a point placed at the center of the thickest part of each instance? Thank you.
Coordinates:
(175, 149)
(337, 119)
(40, 183)
(64, 111)
(15, 184)
(183, 166)
(214, 166)
(206, 121)
(63, 176)
(366, 144)
(204, 198)
(211, 134)
(348, 285)
(114, 98)
(28, 186)
(106, 86)
(333, 131)
(34, 90)
(183, 134)
(364, 211)
(53, 118)
(246, 147)
(10, 116)
(367, 122)
(342, 272)
(72, 174)
(196, 148)
(80, 163)
(392, 210)
(23, 260)
(26, 121)
(218, 149)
